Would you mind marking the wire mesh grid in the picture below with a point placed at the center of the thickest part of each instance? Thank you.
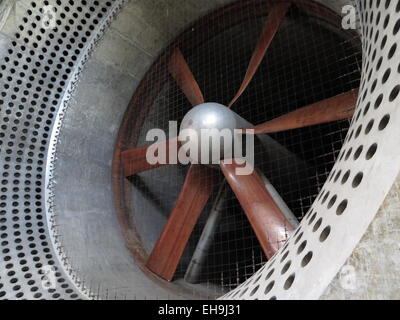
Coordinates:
(309, 60)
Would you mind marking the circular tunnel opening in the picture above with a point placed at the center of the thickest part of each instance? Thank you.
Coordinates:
(310, 59)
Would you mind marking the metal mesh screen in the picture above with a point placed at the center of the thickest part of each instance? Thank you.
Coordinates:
(308, 61)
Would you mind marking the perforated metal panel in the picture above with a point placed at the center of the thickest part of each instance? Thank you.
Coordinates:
(39, 68)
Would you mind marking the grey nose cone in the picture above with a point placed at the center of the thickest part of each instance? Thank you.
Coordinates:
(200, 122)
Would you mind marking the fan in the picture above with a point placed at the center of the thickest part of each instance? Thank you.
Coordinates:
(270, 224)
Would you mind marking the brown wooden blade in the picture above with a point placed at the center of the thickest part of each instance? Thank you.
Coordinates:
(337, 108)
(274, 20)
(198, 186)
(180, 70)
(135, 161)
(269, 223)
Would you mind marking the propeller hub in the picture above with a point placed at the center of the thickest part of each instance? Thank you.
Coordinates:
(208, 126)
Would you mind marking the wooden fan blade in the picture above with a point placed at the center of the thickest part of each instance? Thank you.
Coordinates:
(135, 160)
(274, 20)
(337, 108)
(184, 77)
(268, 221)
(197, 188)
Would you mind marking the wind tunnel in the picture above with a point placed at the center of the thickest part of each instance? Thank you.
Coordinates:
(83, 82)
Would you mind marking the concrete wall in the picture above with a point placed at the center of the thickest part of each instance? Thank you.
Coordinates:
(372, 271)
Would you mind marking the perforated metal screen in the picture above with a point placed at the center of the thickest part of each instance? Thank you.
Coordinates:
(37, 63)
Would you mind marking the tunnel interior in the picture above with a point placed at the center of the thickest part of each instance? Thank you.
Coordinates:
(81, 80)
(308, 61)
